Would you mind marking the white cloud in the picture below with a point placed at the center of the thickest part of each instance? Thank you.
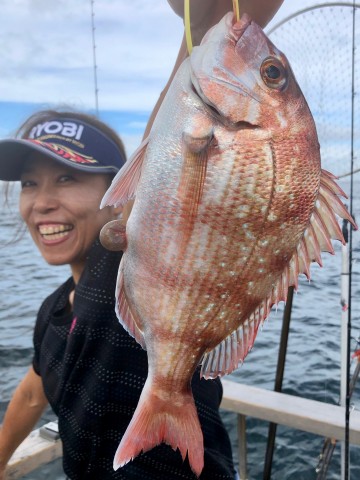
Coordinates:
(47, 51)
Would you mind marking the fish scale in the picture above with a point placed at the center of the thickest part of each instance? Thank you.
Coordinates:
(231, 206)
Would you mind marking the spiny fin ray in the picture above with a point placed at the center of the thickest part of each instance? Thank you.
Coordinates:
(323, 228)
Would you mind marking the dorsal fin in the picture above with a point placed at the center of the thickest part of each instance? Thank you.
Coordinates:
(123, 186)
(323, 228)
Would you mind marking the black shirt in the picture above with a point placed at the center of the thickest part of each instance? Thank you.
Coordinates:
(93, 372)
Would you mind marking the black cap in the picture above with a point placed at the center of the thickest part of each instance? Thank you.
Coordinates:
(70, 141)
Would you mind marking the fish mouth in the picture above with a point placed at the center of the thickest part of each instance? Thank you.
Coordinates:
(215, 112)
(54, 231)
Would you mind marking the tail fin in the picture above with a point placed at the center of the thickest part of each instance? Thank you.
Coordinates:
(158, 420)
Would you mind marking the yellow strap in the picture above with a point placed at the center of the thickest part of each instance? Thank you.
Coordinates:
(236, 9)
(187, 21)
(187, 25)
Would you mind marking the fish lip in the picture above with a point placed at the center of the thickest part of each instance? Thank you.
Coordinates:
(240, 26)
(214, 112)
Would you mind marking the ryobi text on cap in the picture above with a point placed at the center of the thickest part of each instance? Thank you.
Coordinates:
(55, 127)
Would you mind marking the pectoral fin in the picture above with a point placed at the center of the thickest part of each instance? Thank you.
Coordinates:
(196, 146)
(123, 186)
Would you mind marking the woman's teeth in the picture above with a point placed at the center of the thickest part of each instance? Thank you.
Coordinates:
(54, 231)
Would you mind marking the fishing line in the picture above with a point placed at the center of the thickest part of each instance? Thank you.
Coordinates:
(348, 394)
(236, 9)
(189, 43)
(188, 37)
(94, 57)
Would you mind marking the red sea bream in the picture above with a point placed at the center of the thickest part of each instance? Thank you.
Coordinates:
(231, 205)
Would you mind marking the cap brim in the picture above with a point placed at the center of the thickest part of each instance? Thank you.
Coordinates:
(14, 152)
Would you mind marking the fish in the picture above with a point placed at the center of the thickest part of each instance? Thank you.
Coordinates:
(229, 206)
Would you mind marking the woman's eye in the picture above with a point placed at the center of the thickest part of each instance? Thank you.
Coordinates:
(27, 183)
(65, 178)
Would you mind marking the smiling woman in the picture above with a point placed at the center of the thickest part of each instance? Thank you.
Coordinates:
(60, 206)
(60, 199)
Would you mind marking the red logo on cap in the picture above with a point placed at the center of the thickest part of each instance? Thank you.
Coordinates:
(66, 153)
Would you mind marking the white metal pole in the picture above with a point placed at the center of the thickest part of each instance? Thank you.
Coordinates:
(344, 339)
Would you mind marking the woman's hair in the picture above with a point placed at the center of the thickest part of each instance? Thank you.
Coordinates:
(47, 115)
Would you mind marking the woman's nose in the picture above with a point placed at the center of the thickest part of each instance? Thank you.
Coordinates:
(45, 200)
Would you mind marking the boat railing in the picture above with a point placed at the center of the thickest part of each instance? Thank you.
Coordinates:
(311, 416)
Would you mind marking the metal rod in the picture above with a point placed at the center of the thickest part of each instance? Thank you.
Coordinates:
(349, 173)
(278, 381)
(325, 457)
(242, 447)
(330, 443)
(94, 57)
(348, 395)
(344, 330)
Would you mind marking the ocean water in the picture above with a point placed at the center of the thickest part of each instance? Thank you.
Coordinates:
(312, 364)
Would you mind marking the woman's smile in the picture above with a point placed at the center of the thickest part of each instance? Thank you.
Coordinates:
(50, 233)
(60, 206)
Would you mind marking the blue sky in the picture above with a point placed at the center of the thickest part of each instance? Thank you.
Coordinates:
(46, 58)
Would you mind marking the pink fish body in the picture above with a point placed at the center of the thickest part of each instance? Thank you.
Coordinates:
(231, 205)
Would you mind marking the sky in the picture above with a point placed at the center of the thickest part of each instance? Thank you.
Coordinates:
(46, 58)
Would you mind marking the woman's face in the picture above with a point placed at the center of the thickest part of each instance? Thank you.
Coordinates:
(60, 206)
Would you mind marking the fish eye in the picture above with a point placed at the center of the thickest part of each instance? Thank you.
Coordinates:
(273, 73)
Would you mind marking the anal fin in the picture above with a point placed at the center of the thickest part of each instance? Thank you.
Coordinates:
(226, 356)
